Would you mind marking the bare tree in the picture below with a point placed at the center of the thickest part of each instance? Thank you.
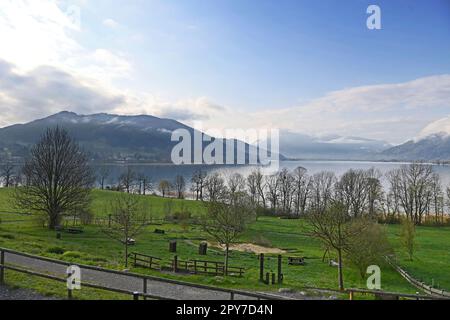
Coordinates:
(198, 184)
(236, 183)
(127, 180)
(164, 188)
(286, 184)
(58, 178)
(322, 190)
(7, 174)
(273, 185)
(301, 190)
(437, 198)
(261, 187)
(215, 187)
(412, 184)
(180, 186)
(375, 193)
(145, 184)
(252, 187)
(128, 219)
(352, 191)
(331, 226)
(102, 174)
(227, 219)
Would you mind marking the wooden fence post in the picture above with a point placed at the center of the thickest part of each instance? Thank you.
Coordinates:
(280, 277)
(175, 264)
(261, 267)
(145, 288)
(231, 295)
(2, 267)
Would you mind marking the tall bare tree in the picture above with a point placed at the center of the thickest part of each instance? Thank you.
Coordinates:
(128, 219)
(215, 186)
(331, 226)
(412, 184)
(127, 180)
(164, 187)
(58, 178)
(261, 187)
(352, 189)
(227, 219)
(7, 174)
(301, 190)
(145, 184)
(198, 184)
(322, 190)
(273, 190)
(102, 174)
(286, 187)
(180, 186)
(236, 183)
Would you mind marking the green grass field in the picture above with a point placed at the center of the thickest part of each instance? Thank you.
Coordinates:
(23, 233)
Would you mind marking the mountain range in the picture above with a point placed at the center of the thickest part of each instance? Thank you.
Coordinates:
(105, 137)
(144, 138)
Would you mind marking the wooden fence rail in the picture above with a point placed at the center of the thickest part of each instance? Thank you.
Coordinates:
(145, 261)
(418, 284)
(145, 278)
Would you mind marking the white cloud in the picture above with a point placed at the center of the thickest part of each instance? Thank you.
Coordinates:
(41, 33)
(110, 23)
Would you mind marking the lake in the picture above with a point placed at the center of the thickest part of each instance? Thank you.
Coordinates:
(159, 172)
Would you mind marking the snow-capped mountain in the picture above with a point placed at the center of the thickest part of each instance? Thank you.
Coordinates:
(432, 143)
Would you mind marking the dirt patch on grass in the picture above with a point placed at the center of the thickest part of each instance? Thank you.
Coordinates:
(250, 247)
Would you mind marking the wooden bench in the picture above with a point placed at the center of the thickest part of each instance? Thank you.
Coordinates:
(296, 261)
(74, 230)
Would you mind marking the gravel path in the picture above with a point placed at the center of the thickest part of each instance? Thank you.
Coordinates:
(7, 293)
(130, 283)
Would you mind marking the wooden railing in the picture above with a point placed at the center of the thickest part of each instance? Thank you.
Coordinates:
(385, 295)
(419, 284)
(145, 261)
(135, 294)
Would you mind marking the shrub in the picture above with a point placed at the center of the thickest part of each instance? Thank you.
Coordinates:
(56, 250)
(178, 216)
(8, 236)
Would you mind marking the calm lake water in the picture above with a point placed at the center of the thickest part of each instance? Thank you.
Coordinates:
(159, 172)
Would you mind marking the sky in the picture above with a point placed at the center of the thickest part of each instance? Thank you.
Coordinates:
(305, 66)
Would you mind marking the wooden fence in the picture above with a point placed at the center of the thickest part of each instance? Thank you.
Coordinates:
(212, 268)
(420, 285)
(145, 261)
(4, 266)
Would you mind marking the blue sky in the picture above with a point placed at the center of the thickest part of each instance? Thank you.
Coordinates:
(241, 62)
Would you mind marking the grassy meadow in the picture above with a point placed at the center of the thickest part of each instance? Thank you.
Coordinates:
(25, 233)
